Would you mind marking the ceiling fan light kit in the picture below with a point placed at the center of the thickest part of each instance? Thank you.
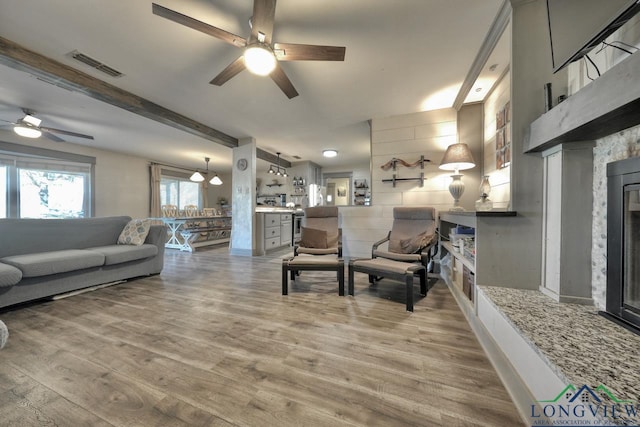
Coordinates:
(28, 127)
(259, 59)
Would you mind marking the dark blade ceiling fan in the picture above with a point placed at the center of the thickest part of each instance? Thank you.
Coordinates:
(29, 127)
(261, 55)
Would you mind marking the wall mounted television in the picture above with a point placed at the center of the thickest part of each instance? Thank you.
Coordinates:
(577, 26)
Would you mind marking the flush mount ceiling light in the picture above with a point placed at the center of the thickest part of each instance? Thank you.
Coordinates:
(259, 59)
(28, 127)
(329, 153)
(277, 170)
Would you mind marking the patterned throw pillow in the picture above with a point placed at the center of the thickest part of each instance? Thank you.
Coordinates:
(135, 232)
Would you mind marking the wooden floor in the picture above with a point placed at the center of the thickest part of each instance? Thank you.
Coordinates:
(212, 342)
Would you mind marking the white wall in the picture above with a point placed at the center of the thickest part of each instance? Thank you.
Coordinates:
(407, 137)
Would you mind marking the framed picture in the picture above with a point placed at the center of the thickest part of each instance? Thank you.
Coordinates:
(507, 156)
(342, 192)
(500, 119)
(499, 159)
(499, 139)
(507, 134)
(507, 112)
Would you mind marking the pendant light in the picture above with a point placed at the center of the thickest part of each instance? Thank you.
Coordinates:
(277, 170)
(198, 177)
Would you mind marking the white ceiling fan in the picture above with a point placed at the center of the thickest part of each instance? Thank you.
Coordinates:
(29, 127)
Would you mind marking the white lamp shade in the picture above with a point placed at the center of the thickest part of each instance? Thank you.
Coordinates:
(259, 59)
(215, 180)
(197, 177)
(27, 132)
(457, 157)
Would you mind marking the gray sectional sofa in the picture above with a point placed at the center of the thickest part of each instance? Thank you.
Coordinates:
(44, 257)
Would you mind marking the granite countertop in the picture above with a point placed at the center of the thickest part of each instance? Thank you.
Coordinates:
(579, 345)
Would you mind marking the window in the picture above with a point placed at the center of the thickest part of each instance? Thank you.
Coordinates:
(179, 192)
(45, 194)
(33, 187)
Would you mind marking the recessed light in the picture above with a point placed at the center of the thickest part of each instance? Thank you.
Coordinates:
(329, 153)
(478, 89)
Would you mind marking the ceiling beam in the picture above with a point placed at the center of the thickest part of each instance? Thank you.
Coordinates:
(47, 69)
(272, 158)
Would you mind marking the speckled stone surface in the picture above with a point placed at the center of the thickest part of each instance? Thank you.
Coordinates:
(618, 146)
(578, 344)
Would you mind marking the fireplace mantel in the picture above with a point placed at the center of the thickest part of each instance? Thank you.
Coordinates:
(607, 105)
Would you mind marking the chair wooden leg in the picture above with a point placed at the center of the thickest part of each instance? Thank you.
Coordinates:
(285, 281)
(423, 282)
(409, 283)
(293, 275)
(341, 279)
(350, 284)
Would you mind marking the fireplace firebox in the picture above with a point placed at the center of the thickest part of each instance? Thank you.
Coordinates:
(623, 242)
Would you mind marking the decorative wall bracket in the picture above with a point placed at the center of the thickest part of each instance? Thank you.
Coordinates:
(394, 179)
(393, 163)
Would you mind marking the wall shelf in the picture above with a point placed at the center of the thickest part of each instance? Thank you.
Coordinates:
(394, 179)
(393, 163)
(274, 185)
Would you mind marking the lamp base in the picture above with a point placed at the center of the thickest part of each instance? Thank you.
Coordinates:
(456, 188)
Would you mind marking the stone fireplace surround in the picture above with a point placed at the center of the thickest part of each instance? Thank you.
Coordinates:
(619, 146)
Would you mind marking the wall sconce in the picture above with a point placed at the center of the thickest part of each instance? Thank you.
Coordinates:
(457, 157)
(277, 170)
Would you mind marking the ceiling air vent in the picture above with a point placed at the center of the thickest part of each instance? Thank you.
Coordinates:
(94, 63)
(297, 157)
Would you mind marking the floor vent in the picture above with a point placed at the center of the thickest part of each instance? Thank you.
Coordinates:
(94, 63)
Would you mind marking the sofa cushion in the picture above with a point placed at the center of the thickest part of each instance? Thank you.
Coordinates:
(45, 263)
(135, 232)
(9, 275)
(116, 254)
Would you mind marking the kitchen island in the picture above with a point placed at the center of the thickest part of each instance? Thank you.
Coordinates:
(274, 228)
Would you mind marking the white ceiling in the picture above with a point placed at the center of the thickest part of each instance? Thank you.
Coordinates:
(402, 56)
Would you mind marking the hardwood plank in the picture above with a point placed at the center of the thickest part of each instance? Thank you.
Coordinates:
(211, 341)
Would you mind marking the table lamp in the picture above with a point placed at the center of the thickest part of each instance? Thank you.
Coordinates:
(457, 157)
